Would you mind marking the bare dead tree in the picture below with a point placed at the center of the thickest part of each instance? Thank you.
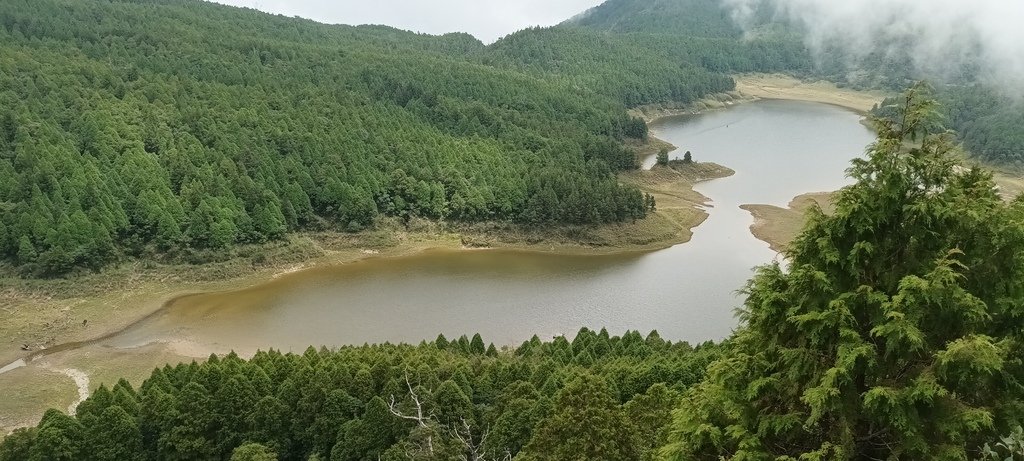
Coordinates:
(464, 434)
(474, 450)
(421, 420)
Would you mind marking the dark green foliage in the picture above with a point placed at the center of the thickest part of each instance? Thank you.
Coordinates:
(586, 423)
(651, 413)
(113, 435)
(59, 438)
(179, 126)
(699, 18)
(629, 70)
(17, 445)
(687, 157)
(662, 157)
(702, 34)
(896, 331)
(986, 121)
(387, 402)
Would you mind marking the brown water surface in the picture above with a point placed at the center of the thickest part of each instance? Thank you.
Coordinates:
(779, 149)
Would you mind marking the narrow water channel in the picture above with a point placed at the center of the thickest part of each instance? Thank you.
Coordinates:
(779, 149)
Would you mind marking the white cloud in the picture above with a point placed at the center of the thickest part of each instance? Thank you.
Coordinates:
(945, 31)
(487, 20)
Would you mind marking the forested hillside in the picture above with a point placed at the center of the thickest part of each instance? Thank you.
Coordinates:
(640, 69)
(704, 32)
(631, 71)
(990, 125)
(695, 18)
(700, 33)
(142, 128)
(157, 129)
(895, 333)
(597, 397)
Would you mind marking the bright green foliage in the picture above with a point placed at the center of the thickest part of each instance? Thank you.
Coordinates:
(586, 423)
(389, 402)
(253, 452)
(895, 332)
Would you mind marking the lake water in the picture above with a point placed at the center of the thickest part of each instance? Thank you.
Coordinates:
(779, 149)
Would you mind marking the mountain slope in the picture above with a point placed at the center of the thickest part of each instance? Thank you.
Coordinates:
(153, 128)
(694, 18)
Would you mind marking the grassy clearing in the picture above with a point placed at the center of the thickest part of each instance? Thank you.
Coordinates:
(778, 226)
(106, 366)
(778, 86)
(649, 147)
(26, 392)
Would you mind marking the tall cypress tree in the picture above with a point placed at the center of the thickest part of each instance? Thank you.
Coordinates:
(894, 333)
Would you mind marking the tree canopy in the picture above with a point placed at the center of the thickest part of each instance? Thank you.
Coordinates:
(174, 126)
(896, 330)
(442, 400)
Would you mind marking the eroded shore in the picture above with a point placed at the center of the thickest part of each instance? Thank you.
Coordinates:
(45, 314)
(46, 318)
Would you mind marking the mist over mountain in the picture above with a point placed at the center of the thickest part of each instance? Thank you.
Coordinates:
(943, 39)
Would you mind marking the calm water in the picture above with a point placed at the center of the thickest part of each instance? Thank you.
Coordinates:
(779, 149)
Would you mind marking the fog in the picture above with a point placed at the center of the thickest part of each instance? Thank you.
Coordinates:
(946, 33)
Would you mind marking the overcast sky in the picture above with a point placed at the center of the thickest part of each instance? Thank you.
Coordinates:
(488, 20)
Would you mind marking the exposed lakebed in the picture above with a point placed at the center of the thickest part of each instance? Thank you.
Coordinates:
(779, 149)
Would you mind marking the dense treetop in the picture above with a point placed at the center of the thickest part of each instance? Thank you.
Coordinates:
(704, 32)
(896, 331)
(135, 128)
(696, 18)
(595, 397)
(141, 128)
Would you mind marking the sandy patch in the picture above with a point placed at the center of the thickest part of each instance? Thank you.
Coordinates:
(777, 86)
(779, 226)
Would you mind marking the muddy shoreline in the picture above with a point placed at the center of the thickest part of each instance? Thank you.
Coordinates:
(679, 211)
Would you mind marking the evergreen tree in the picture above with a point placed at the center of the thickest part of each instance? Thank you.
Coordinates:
(114, 436)
(253, 452)
(585, 424)
(662, 157)
(896, 331)
(17, 445)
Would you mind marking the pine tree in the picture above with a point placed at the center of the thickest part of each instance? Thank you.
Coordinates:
(662, 158)
(586, 423)
(895, 332)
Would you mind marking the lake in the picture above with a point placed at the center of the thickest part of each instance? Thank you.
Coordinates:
(779, 149)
